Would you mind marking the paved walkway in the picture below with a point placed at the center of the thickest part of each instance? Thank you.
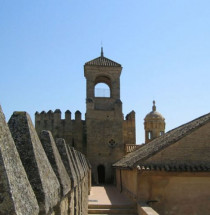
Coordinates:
(107, 195)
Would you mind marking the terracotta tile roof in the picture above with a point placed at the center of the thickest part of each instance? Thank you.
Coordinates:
(102, 61)
(148, 150)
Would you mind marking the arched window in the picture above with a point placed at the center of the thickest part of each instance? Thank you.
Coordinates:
(102, 90)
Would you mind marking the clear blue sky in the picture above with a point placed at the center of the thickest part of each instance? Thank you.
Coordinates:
(163, 46)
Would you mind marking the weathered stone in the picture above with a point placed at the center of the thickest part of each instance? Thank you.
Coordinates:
(80, 198)
(16, 194)
(54, 157)
(76, 200)
(85, 191)
(73, 161)
(69, 129)
(81, 176)
(71, 204)
(86, 183)
(84, 162)
(63, 207)
(67, 161)
(77, 163)
(81, 161)
(35, 161)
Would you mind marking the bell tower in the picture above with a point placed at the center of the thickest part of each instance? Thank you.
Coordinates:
(154, 124)
(104, 118)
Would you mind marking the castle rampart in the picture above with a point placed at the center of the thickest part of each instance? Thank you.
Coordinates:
(74, 130)
(36, 178)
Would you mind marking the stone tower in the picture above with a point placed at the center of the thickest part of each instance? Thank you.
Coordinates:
(154, 124)
(104, 118)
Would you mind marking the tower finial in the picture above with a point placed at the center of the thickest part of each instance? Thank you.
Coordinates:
(102, 52)
(153, 107)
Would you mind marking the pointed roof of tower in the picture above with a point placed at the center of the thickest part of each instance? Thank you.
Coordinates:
(102, 61)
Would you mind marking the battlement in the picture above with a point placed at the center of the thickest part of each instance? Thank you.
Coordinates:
(72, 130)
(40, 175)
(56, 115)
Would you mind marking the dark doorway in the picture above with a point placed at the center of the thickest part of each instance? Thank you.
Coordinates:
(101, 174)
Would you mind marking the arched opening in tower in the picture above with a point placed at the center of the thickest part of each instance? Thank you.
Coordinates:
(101, 174)
(102, 90)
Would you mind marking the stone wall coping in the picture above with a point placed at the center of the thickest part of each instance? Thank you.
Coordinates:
(144, 209)
(35, 161)
(56, 162)
(16, 194)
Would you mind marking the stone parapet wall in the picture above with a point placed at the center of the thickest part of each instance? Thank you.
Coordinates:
(166, 192)
(40, 176)
(175, 192)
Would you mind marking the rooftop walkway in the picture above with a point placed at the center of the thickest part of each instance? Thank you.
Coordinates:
(107, 195)
(108, 200)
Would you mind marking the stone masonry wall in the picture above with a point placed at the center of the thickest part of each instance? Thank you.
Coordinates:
(44, 177)
(99, 128)
(129, 129)
(173, 193)
(73, 131)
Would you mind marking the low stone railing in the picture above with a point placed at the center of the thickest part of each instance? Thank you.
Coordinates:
(131, 147)
(40, 176)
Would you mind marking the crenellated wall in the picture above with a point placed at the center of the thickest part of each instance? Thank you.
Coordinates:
(102, 136)
(72, 130)
(40, 175)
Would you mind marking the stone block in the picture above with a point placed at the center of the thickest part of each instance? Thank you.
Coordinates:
(79, 199)
(87, 168)
(16, 194)
(35, 161)
(63, 207)
(67, 161)
(76, 200)
(82, 161)
(71, 204)
(56, 162)
(73, 161)
(77, 163)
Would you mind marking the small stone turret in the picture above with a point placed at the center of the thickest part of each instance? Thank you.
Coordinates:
(154, 124)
